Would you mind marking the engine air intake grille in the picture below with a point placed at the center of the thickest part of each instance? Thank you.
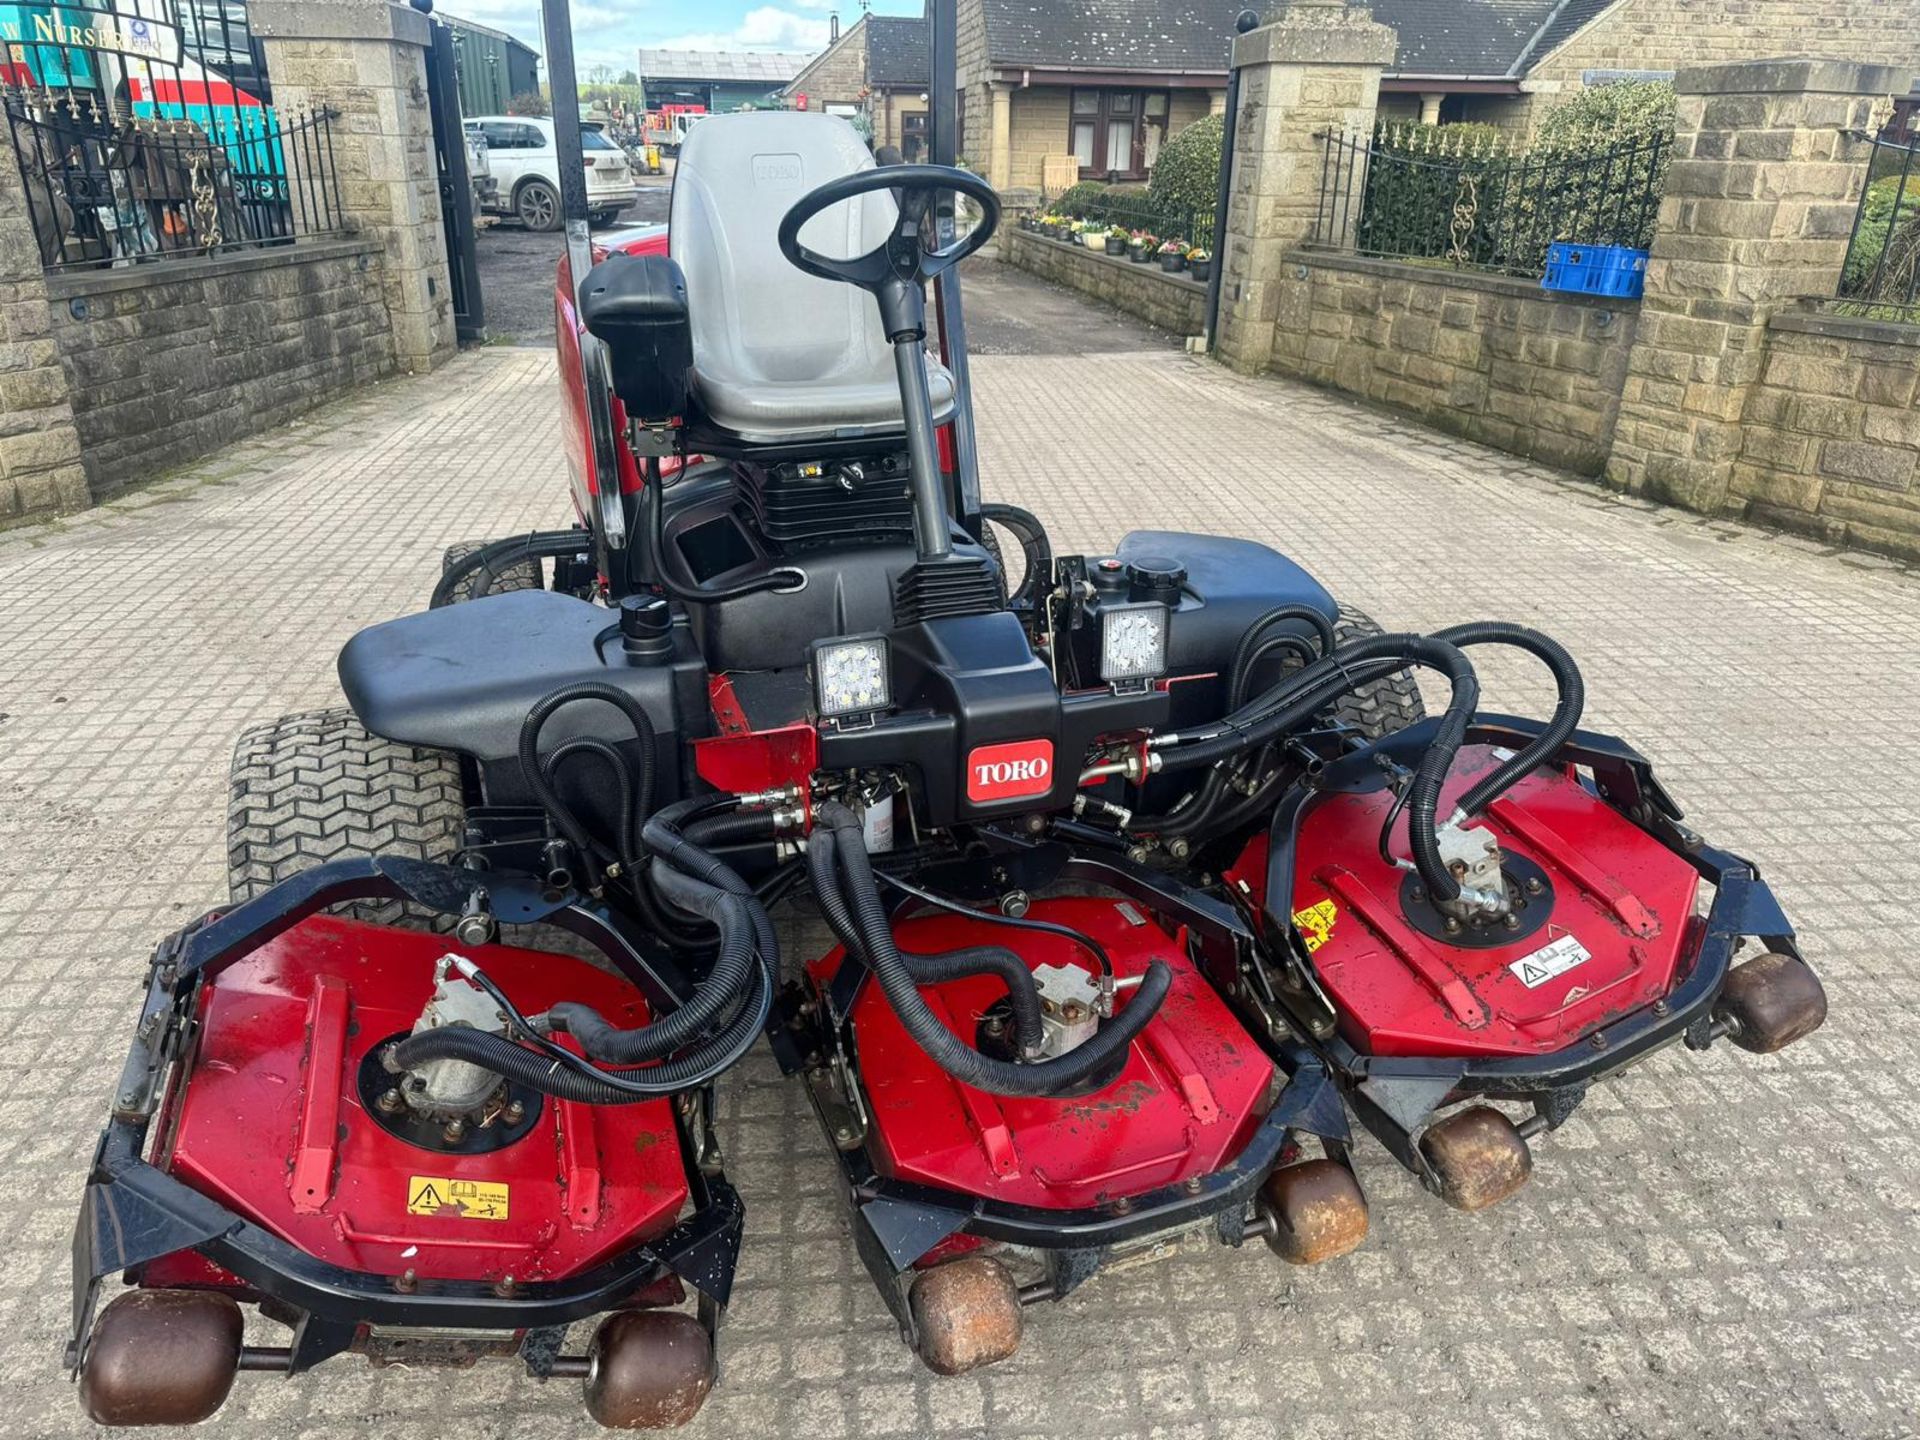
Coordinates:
(942, 589)
(798, 504)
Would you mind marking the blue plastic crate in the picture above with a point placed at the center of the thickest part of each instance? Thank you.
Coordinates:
(1595, 269)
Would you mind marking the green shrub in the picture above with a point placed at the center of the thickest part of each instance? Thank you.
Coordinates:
(1186, 175)
(1075, 199)
(1881, 232)
(1607, 114)
(1590, 175)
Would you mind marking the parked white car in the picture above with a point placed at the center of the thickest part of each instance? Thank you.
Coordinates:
(526, 170)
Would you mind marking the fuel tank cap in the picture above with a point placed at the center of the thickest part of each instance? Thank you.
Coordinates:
(1151, 577)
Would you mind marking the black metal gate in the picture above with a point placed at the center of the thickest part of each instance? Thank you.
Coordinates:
(456, 187)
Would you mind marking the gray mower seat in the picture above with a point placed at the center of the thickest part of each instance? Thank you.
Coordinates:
(781, 356)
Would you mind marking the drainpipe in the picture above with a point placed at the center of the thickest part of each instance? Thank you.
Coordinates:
(1246, 21)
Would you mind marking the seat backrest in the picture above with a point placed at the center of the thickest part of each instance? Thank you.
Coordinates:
(757, 318)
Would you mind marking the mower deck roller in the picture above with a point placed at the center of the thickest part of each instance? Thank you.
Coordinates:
(1149, 876)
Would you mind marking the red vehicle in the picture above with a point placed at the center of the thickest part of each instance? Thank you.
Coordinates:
(1148, 873)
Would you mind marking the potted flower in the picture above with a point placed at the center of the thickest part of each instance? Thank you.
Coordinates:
(1173, 256)
(1200, 262)
(1093, 235)
(1116, 241)
(1141, 245)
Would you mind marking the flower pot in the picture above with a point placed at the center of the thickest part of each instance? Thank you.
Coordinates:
(1094, 240)
(1173, 264)
(1200, 269)
(1116, 247)
(1139, 254)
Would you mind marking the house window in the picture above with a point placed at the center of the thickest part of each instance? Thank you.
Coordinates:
(1117, 132)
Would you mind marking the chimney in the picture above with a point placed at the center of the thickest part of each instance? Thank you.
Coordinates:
(833, 27)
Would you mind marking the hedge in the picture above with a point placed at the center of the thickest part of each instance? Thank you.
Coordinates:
(1186, 174)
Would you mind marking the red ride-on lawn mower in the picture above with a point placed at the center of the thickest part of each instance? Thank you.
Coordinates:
(1143, 870)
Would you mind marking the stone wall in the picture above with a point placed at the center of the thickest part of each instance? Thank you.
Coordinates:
(837, 75)
(1759, 202)
(1674, 34)
(1494, 359)
(1314, 67)
(1042, 126)
(1830, 435)
(39, 448)
(367, 59)
(1173, 302)
(166, 363)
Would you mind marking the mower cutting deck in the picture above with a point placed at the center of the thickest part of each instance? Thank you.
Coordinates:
(271, 1146)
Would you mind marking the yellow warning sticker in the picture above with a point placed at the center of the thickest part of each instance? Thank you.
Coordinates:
(456, 1199)
(1315, 923)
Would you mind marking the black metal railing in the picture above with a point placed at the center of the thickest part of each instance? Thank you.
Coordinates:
(145, 129)
(108, 190)
(1880, 278)
(1483, 204)
(1134, 212)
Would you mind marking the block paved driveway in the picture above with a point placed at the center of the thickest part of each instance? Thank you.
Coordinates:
(1714, 1246)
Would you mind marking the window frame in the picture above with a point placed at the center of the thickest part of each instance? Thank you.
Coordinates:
(1113, 106)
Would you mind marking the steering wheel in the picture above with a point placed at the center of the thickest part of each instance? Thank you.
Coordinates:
(906, 257)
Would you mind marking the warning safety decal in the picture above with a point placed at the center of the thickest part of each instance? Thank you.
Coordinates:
(1315, 923)
(1555, 958)
(456, 1199)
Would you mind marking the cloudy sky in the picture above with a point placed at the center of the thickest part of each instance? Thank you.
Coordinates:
(608, 32)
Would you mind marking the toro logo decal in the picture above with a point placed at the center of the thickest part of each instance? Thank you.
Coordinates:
(1009, 771)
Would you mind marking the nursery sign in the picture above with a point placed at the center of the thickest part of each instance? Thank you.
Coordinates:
(134, 36)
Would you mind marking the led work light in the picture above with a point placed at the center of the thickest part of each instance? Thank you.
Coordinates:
(850, 676)
(1133, 642)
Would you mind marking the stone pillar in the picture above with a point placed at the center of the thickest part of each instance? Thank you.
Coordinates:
(1313, 66)
(1759, 203)
(1430, 107)
(367, 59)
(1000, 153)
(40, 471)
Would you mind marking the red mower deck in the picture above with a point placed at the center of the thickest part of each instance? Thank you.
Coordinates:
(1621, 923)
(271, 1122)
(1192, 1090)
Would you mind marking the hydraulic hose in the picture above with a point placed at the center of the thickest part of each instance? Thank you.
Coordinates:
(662, 835)
(1243, 653)
(566, 821)
(963, 1062)
(1034, 544)
(738, 829)
(1572, 699)
(540, 782)
(548, 1074)
(928, 969)
(782, 578)
(745, 971)
(491, 559)
(1305, 694)
(723, 984)
(987, 917)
